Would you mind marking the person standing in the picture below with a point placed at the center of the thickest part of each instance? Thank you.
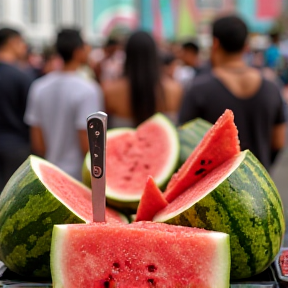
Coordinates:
(256, 102)
(14, 86)
(58, 105)
(272, 54)
(142, 90)
(189, 56)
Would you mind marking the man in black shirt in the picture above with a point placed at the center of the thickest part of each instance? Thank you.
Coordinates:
(256, 102)
(14, 86)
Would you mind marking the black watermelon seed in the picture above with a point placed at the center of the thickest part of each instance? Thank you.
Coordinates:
(151, 268)
(202, 162)
(210, 161)
(116, 265)
(200, 171)
(151, 281)
(106, 284)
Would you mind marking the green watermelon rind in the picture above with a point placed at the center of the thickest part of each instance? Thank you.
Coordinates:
(86, 170)
(28, 212)
(190, 135)
(248, 187)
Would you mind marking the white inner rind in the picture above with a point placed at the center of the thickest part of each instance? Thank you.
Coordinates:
(162, 216)
(57, 245)
(35, 161)
(174, 148)
(222, 260)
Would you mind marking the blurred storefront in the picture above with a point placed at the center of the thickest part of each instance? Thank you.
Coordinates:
(166, 19)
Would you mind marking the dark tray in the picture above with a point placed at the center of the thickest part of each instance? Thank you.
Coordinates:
(267, 279)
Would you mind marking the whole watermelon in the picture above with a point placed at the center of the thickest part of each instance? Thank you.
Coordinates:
(38, 196)
(242, 202)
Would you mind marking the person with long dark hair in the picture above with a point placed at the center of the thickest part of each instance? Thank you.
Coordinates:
(143, 90)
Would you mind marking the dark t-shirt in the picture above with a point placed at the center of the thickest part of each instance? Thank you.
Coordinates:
(14, 86)
(255, 117)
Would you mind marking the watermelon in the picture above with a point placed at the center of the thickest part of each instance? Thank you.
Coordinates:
(152, 201)
(36, 197)
(190, 134)
(132, 156)
(143, 254)
(217, 146)
(238, 198)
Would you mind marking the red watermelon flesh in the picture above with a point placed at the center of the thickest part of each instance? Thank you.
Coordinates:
(152, 201)
(132, 155)
(138, 255)
(72, 194)
(219, 144)
(200, 189)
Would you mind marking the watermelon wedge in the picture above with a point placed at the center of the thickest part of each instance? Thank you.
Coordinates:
(143, 254)
(218, 145)
(152, 201)
(36, 197)
(132, 155)
(238, 198)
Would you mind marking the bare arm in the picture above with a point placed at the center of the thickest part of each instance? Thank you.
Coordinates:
(278, 137)
(37, 141)
(83, 140)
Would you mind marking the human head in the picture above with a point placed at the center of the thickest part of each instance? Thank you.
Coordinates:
(189, 53)
(169, 63)
(274, 36)
(51, 60)
(71, 47)
(142, 69)
(229, 35)
(111, 46)
(12, 42)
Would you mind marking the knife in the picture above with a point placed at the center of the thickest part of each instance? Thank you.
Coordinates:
(97, 128)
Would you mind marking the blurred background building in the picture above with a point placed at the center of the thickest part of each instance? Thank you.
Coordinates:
(169, 19)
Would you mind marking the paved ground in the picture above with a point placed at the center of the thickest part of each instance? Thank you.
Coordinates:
(280, 176)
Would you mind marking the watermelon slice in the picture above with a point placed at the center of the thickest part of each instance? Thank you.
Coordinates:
(132, 155)
(218, 145)
(152, 201)
(36, 197)
(143, 254)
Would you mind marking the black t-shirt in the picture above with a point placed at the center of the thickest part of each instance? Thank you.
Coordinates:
(255, 117)
(14, 86)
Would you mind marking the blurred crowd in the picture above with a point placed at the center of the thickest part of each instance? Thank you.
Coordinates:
(46, 97)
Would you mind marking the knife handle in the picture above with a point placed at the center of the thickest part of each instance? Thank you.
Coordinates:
(97, 128)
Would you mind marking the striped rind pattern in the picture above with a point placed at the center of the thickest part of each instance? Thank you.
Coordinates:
(248, 207)
(190, 135)
(28, 212)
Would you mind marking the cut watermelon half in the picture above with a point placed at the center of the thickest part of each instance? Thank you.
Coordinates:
(132, 155)
(73, 194)
(152, 201)
(219, 144)
(143, 254)
(38, 196)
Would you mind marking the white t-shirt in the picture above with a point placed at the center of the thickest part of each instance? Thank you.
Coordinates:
(59, 104)
(184, 75)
